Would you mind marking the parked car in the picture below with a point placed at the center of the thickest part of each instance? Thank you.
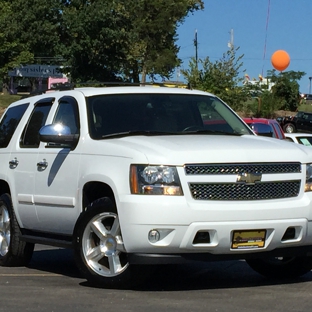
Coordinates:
(300, 138)
(301, 122)
(131, 175)
(273, 128)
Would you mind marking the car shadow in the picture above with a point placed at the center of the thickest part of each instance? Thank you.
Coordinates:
(190, 276)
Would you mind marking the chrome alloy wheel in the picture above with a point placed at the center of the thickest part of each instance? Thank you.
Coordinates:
(5, 234)
(102, 245)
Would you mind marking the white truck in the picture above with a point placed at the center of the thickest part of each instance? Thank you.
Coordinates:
(128, 176)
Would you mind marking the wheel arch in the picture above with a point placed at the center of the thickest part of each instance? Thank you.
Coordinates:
(4, 187)
(94, 190)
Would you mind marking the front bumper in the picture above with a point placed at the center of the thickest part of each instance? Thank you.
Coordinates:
(179, 221)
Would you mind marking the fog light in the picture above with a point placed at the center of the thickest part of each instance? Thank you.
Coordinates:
(153, 236)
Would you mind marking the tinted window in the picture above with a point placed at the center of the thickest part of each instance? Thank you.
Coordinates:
(30, 136)
(160, 113)
(67, 114)
(262, 129)
(278, 130)
(9, 123)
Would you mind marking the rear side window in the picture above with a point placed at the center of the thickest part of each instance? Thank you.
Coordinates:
(10, 122)
(30, 136)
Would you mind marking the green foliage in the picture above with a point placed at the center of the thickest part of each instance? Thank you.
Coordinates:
(220, 78)
(95, 39)
(153, 35)
(94, 35)
(286, 88)
(13, 51)
(268, 104)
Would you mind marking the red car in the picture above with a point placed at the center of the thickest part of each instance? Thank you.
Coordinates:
(272, 128)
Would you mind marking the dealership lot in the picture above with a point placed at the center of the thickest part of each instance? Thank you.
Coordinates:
(53, 283)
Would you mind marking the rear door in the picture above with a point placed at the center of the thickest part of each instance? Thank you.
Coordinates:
(23, 164)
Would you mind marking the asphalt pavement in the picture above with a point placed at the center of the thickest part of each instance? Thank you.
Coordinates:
(53, 283)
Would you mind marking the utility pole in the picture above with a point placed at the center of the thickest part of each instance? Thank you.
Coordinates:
(196, 49)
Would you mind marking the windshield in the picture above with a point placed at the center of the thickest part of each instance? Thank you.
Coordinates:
(160, 114)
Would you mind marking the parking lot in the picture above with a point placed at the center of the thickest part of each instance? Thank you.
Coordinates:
(53, 283)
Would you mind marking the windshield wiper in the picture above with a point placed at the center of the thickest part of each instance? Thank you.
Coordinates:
(155, 133)
(136, 132)
(211, 132)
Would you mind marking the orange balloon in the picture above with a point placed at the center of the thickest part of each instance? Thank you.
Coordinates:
(280, 60)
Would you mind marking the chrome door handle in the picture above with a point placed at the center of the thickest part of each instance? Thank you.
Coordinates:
(13, 163)
(42, 164)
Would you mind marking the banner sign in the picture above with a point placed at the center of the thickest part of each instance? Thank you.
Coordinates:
(43, 71)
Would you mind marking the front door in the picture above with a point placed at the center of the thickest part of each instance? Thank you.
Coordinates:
(56, 181)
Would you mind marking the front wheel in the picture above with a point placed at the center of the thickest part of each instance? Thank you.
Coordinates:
(13, 251)
(99, 248)
(282, 267)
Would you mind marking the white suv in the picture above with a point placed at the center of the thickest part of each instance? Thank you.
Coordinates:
(142, 175)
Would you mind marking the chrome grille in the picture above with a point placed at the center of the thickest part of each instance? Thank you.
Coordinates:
(205, 169)
(241, 191)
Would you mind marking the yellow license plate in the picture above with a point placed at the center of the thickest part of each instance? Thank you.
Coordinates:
(248, 239)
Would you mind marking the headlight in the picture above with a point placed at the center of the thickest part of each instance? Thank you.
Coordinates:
(308, 184)
(154, 180)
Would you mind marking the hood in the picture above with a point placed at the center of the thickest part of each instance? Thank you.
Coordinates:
(181, 149)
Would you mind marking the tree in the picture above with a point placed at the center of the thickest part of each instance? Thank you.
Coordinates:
(94, 35)
(286, 88)
(13, 51)
(221, 78)
(153, 35)
(123, 39)
(96, 39)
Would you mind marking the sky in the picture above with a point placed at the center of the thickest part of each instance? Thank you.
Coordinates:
(259, 27)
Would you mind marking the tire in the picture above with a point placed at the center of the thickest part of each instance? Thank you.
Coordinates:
(282, 267)
(13, 251)
(289, 128)
(99, 249)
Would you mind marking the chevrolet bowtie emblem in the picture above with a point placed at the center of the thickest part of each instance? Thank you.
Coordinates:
(250, 178)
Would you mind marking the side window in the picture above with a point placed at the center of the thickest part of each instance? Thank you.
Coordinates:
(278, 130)
(9, 123)
(30, 136)
(67, 114)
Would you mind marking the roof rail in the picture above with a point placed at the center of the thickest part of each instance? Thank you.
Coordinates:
(170, 84)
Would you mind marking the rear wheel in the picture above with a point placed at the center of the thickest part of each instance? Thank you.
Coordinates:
(282, 267)
(289, 128)
(99, 248)
(13, 251)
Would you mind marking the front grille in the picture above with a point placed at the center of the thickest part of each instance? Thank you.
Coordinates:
(205, 169)
(241, 191)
